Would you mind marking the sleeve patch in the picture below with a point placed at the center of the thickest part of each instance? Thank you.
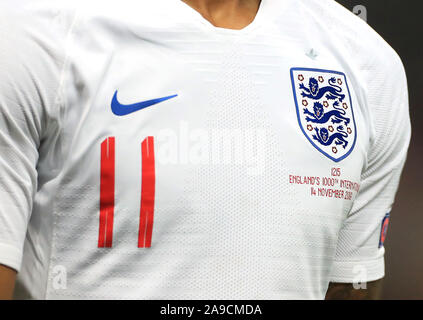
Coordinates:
(384, 230)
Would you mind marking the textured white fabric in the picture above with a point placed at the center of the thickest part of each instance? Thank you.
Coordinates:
(233, 218)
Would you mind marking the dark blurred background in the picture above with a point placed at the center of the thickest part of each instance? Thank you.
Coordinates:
(399, 22)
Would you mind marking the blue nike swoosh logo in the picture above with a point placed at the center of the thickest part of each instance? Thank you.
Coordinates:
(123, 110)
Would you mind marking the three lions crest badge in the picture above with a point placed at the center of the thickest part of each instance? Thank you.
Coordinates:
(325, 111)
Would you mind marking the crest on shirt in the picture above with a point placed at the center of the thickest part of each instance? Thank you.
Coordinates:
(325, 111)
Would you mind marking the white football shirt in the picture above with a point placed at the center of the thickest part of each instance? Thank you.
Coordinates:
(146, 154)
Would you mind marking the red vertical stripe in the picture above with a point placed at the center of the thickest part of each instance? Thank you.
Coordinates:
(148, 185)
(107, 193)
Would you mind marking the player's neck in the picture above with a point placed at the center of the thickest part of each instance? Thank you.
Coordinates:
(229, 14)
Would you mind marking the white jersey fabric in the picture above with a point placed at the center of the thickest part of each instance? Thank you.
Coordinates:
(264, 170)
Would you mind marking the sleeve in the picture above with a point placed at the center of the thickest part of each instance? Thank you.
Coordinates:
(28, 81)
(359, 254)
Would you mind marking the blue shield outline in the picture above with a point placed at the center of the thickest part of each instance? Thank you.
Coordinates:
(294, 89)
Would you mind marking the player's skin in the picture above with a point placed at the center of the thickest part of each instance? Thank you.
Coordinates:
(7, 282)
(229, 14)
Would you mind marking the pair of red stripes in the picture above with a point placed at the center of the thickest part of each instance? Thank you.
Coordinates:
(107, 193)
